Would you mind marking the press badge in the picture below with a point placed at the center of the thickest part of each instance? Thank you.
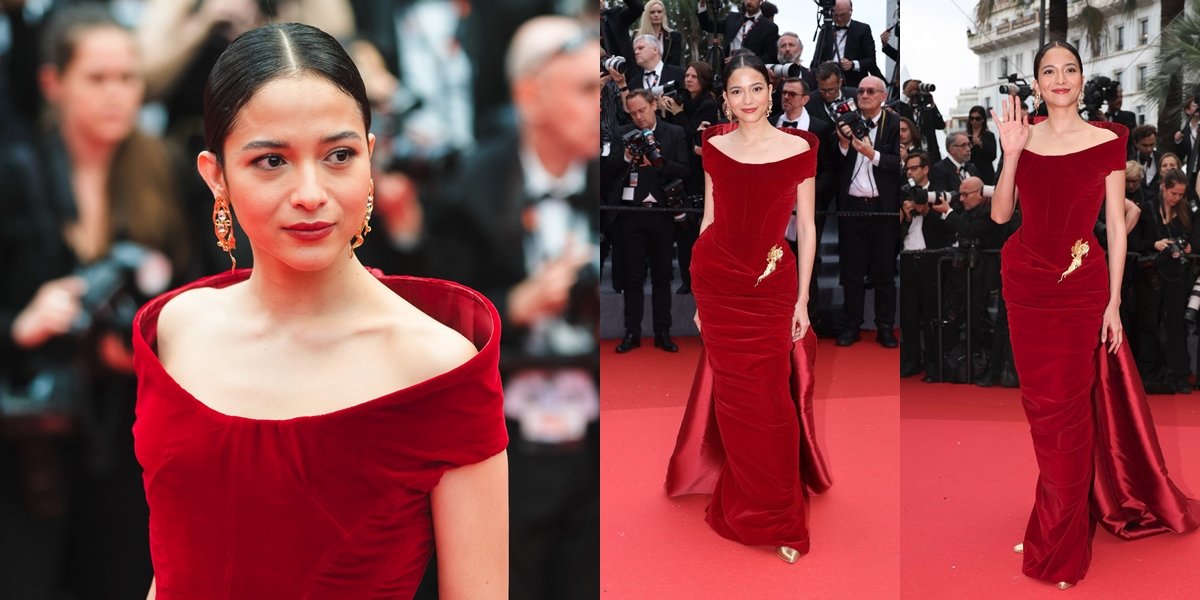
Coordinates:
(628, 193)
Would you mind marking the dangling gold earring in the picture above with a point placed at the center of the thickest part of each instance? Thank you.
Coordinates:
(222, 220)
(1037, 100)
(360, 237)
(729, 114)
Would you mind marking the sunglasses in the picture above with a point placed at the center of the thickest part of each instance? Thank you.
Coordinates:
(792, 94)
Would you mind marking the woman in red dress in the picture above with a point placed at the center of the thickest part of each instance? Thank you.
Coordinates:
(751, 298)
(1096, 447)
(308, 429)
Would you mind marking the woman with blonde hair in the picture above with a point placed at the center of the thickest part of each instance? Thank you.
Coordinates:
(654, 22)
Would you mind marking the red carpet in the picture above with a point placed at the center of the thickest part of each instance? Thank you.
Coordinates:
(969, 472)
(656, 547)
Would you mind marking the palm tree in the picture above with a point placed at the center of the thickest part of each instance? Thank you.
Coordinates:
(1178, 56)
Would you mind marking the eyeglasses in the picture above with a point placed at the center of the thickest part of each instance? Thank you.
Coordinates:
(960, 145)
(868, 91)
(787, 94)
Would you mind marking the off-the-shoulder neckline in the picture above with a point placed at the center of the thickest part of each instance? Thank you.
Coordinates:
(1081, 150)
(415, 390)
(773, 162)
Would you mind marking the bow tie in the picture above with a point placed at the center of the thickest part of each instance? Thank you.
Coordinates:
(792, 124)
(841, 27)
(749, 18)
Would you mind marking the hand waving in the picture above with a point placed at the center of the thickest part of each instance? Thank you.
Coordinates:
(1012, 126)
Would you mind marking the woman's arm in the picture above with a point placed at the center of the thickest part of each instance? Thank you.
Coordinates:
(707, 219)
(1114, 208)
(1014, 133)
(470, 526)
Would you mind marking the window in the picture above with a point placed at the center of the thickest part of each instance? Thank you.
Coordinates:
(1141, 82)
(1143, 32)
(1003, 66)
(1117, 77)
(1120, 37)
(1141, 114)
(1077, 43)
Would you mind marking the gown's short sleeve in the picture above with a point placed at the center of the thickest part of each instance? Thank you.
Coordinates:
(808, 160)
(1114, 156)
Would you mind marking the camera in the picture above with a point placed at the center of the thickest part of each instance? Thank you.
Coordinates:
(616, 63)
(1017, 86)
(641, 144)
(847, 114)
(1096, 92)
(40, 399)
(924, 96)
(1175, 248)
(1192, 313)
(676, 194)
(786, 71)
(667, 89)
(921, 196)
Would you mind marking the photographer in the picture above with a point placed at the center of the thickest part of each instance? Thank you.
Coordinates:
(650, 72)
(832, 91)
(1187, 139)
(753, 28)
(918, 272)
(70, 487)
(969, 221)
(1145, 140)
(851, 45)
(870, 182)
(615, 23)
(652, 163)
(909, 142)
(918, 105)
(1165, 234)
(696, 112)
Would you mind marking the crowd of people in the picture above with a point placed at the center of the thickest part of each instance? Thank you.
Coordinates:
(655, 105)
(950, 266)
(100, 122)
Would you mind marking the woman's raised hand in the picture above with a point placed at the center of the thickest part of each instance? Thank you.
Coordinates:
(1012, 126)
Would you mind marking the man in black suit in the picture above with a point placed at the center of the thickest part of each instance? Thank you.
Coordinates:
(1145, 140)
(918, 272)
(614, 27)
(1187, 143)
(649, 70)
(484, 235)
(753, 29)
(649, 234)
(1115, 114)
(852, 46)
(869, 182)
(949, 172)
(830, 89)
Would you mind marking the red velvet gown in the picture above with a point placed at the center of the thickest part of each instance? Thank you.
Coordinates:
(328, 506)
(1096, 447)
(741, 436)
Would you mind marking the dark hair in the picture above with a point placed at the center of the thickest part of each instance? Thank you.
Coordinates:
(1037, 58)
(913, 132)
(62, 34)
(264, 54)
(919, 154)
(906, 81)
(1142, 132)
(828, 69)
(1173, 178)
(982, 112)
(747, 60)
(646, 95)
(803, 86)
(704, 74)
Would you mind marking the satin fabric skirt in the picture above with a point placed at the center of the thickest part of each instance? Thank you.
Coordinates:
(746, 376)
(1097, 451)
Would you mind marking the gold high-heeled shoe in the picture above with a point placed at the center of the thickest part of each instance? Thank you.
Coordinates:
(1019, 548)
(788, 554)
(1062, 585)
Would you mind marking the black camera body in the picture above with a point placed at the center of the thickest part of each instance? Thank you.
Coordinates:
(1175, 248)
(641, 144)
(1096, 92)
(847, 114)
(924, 96)
(1016, 86)
(921, 196)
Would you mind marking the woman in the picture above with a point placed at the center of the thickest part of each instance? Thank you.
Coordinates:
(73, 204)
(983, 144)
(698, 111)
(263, 458)
(1167, 233)
(654, 22)
(1063, 309)
(748, 289)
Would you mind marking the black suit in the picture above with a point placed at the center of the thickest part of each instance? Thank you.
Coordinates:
(984, 155)
(918, 292)
(478, 239)
(761, 39)
(929, 120)
(614, 28)
(860, 47)
(1150, 187)
(636, 76)
(648, 235)
(943, 175)
(672, 48)
(868, 244)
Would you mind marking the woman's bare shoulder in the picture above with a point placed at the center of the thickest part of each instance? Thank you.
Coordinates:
(430, 347)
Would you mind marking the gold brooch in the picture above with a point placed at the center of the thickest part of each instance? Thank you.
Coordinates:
(1078, 251)
(773, 257)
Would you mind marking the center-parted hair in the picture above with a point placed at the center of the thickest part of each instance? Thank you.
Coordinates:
(1041, 53)
(747, 61)
(265, 54)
